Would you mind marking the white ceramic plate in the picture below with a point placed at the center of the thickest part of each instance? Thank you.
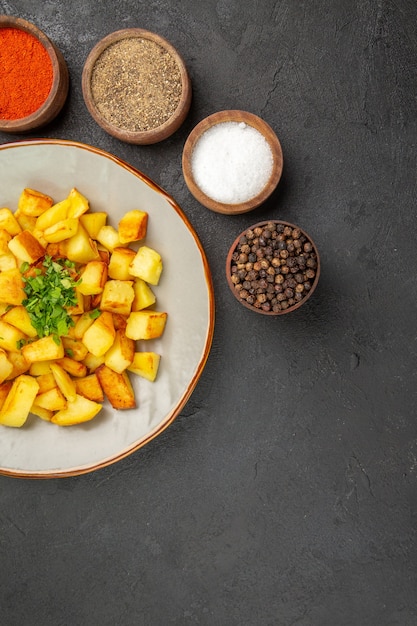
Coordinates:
(42, 450)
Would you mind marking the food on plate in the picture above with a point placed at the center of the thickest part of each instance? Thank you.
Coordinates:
(75, 298)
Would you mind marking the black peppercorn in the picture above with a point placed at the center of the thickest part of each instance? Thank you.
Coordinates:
(273, 267)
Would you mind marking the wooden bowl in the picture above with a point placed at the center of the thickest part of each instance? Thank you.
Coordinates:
(306, 291)
(60, 84)
(150, 135)
(187, 161)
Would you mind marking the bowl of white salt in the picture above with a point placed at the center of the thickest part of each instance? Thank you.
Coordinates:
(232, 161)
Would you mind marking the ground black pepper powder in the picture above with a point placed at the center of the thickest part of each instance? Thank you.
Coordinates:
(136, 84)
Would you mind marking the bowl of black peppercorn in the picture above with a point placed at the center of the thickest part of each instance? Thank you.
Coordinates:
(273, 267)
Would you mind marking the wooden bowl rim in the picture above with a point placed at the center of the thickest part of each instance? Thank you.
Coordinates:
(60, 82)
(232, 115)
(229, 262)
(137, 137)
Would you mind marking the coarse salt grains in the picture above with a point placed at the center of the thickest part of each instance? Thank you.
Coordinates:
(232, 162)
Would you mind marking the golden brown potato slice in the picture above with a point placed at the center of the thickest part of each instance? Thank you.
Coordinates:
(54, 214)
(32, 202)
(90, 388)
(144, 296)
(41, 412)
(73, 367)
(133, 226)
(64, 382)
(26, 247)
(6, 367)
(46, 382)
(81, 248)
(77, 412)
(93, 278)
(9, 222)
(145, 364)
(100, 336)
(83, 322)
(74, 348)
(146, 324)
(10, 336)
(4, 240)
(44, 349)
(147, 265)
(92, 222)
(117, 388)
(109, 237)
(53, 400)
(11, 286)
(78, 203)
(64, 229)
(119, 263)
(120, 355)
(19, 317)
(20, 365)
(18, 402)
(117, 297)
(4, 391)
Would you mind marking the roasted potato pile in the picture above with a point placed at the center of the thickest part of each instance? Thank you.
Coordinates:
(76, 299)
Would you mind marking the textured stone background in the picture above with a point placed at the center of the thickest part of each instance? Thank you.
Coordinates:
(285, 492)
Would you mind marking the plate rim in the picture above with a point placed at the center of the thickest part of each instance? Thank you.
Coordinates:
(173, 414)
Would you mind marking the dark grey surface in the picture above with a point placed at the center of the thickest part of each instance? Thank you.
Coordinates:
(285, 492)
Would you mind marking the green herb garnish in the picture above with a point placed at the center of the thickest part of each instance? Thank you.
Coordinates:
(50, 291)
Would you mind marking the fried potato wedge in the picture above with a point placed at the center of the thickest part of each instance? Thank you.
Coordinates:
(133, 226)
(145, 364)
(120, 355)
(117, 387)
(77, 412)
(100, 336)
(90, 388)
(32, 202)
(11, 286)
(18, 402)
(146, 324)
(26, 247)
(147, 265)
(44, 349)
(64, 382)
(6, 367)
(53, 399)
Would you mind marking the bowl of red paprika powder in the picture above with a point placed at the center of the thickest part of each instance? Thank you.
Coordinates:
(34, 77)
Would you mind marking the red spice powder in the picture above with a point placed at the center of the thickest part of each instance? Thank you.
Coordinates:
(25, 74)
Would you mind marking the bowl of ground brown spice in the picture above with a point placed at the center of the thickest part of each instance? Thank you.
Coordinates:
(34, 78)
(136, 86)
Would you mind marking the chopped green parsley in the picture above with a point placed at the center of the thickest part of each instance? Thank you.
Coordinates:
(50, 291)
